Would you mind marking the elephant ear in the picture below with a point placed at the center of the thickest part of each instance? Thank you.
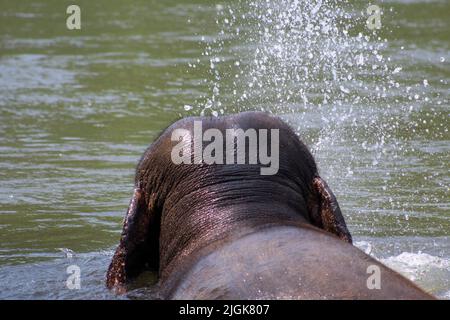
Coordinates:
(325, 212)
(138, 247)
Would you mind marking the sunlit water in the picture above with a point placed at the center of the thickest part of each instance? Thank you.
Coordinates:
(77, 109)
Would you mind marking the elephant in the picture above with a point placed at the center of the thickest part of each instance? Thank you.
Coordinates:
(227, 231)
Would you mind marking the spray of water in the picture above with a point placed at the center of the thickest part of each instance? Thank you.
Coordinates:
(317, 64)
(287, 56)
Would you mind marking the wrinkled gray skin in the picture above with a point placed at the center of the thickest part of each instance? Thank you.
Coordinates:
(228, 232)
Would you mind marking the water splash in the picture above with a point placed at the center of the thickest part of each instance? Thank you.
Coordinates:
(341, 85)
(287, 56)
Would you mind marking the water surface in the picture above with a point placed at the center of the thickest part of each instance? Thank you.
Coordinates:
(77, 109)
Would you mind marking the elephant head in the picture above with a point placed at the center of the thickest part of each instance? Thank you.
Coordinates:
(178, 208)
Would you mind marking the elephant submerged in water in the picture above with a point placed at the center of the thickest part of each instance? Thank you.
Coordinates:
(221, 230)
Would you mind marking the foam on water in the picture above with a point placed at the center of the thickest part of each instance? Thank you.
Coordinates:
(416, 264)
(426, 270)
